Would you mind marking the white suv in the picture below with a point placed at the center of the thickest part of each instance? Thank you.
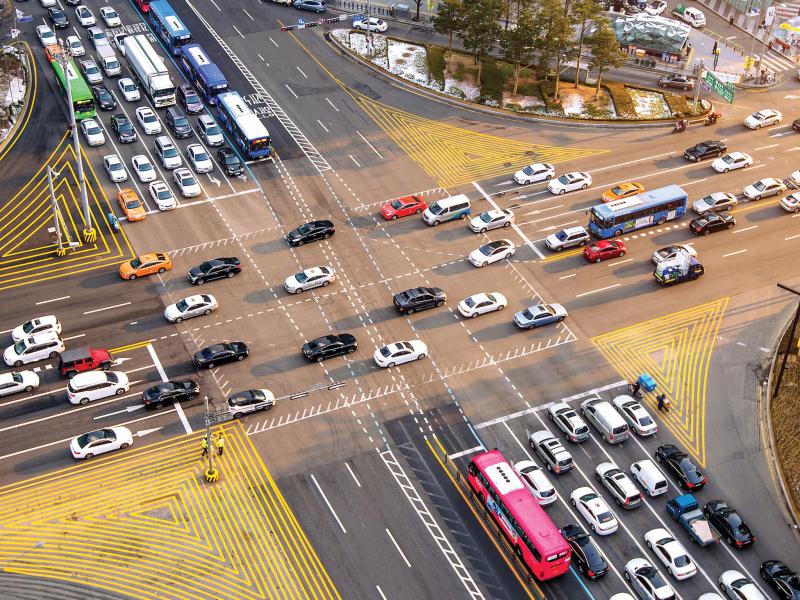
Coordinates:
(550, 450)
(567, 238)
(94, 385)
(167, 153)
(33, 349)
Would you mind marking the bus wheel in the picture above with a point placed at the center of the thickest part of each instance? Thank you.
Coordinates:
(662, 220)
(618, 233)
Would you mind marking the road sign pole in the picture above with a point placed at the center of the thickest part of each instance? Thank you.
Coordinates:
(698, 71)
(56, 222)
(755, 31)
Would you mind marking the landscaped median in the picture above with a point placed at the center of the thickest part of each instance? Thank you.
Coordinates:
(427, 66)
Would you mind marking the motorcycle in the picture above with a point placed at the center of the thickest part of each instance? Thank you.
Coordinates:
(680, 126)
(712, 118)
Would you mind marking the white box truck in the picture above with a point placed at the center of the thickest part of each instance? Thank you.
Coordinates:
(149, 69)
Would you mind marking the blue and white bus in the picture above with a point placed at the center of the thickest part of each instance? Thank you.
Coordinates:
(168, 26)
(636, 212)
(203, 73)
(244, 126)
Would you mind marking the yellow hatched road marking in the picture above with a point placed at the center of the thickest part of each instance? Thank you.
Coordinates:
(235, 539)
(676, 351)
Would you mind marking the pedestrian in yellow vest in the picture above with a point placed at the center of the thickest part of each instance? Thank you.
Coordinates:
(220, 441)
(204, 445)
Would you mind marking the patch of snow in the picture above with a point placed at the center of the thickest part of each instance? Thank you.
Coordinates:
(649, 105)
(470, 91)
(571, 102)
(522, 101)
(409, 61)
(16, 92)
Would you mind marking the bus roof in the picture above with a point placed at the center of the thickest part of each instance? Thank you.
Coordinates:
(195, 54)
(643, 200)
(518, 500)
(248, 122)
(167, 15)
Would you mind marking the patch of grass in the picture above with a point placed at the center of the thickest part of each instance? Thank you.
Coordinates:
(547, 90)
(435, 58)
(491, 81)
(461, 72)
(679, 104)
(623, 103)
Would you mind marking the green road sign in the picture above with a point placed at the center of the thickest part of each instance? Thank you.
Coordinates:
(726, 90)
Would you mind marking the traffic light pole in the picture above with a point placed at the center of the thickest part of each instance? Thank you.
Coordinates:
(60, 251)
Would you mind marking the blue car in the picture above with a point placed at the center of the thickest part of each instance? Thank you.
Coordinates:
(540, 314)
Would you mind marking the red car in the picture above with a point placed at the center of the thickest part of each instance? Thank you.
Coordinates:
(603, 250)
(402, 207)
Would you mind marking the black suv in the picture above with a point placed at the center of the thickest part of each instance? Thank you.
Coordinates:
(229, 161)
(585, 553)
(216, 354)
(728, 523)
(58, 18)
(420, 298)
(784, 582)
(123, 128)
(216, 268)
(310, 232)
(680, 466)
(103, 97)
(705, 149)
(170, 392)
(178, 122)
(329, 346)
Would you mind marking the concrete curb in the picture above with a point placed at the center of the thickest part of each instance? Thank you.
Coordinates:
(497, 112)
(12, 133)
(766, 394)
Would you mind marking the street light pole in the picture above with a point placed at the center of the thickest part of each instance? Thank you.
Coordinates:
(767, 33)
(36, 546)
(755, 31)
(791, 337)
(64, 59)
(54, 205)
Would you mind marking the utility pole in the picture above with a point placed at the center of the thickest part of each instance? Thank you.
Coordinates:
(755, 31)
(64, 59)
(789, 342)
(211, 474)
(698, 73)
(767, 32)
(50, 173)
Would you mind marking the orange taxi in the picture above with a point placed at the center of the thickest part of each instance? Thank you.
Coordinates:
(52, 52)
(146, 264)
(131, 205)
(623, 190)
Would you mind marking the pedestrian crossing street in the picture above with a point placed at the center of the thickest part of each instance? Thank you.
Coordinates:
(778, 63)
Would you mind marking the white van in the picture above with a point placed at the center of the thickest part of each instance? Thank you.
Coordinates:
(447, 209)
(694, 17)
(94, 385)
(33, 349)
(649, 477)
(608, 422)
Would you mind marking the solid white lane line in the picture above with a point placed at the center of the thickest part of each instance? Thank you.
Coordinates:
(396, 545)
(328, 100)
(325, 498)
(608, 287)
(273, 43)
(323, 126)
(291, 91)
(630, 162)
(619, 262)
(74, 337)
(765, 147)
(353, 475)
(354, 160)
(161, 373)
(734, 253)
(745, 229)
(301, 72)
(53, 300)
(249, 15)
(791, 237)
(366, 141)
(516, 228)
(380, 591)
(97, 310)
(568, 276)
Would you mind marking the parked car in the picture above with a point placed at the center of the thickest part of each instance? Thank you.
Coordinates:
(317, 6)
(371, 24)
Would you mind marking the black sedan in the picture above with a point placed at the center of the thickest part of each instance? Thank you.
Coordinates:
(58, 18)
(329, 346)
(680, 466)
(710, 223)
(216, 268)
(419, 298)
(103, 97)
(783, 581)
(728, 523)
(229, 162)
(216, 354)
(585, 553)
(170, 392)
(310, 232)
(705, 149)
(123, 128)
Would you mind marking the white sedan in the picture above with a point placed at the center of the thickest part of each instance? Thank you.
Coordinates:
(491, 219)
(92, 133)
(75, 45)
(671, 553)
(656, 7)
(162, 196)
(764, 188)
(480, 304)
(46, 35)
(400, 352)
(201, 161)
(595, 510)
(309, 279)
(193, 306)
(100, 441)
(535, 479)
(374, 24)
(714, 203)
(569, 182)
(115, 169)
(635, 415)
(18, 381)
(671, 252)
(35, 327)
(791, 203)
(148, 120)
(647, 581)
(739, 587)
(85, 16)
(762, 118)
(731, 161)
(492, 252)
(534, 173)
(129, 90)
(143, 168)
(110, 17)
(186, 182)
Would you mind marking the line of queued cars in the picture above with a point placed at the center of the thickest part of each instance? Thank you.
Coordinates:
(615, 421)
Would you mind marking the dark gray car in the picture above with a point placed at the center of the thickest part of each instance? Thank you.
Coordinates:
(680, 82)
(312, 5)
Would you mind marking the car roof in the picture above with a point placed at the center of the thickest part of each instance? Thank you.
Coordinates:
(89, 378)
(194, 298)
(575, 229)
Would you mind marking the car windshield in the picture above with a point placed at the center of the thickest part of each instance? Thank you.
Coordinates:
(528, 170)
(27, 327)
(187, 180)
(201, 156)
(164, 194)
(759, 185)
(231, 159)
(182, 305)
(181, 122)
(486, 217)
(564, 179)
(469, 302)
(435, 208)
(149, 118)
(114, 166)
(145, 166)
(132, 203)
(617, 190)
(758, 116)
(728, 159)
(92, 130)
(385, 352)
(103, 94)
(486, 250)
(192, 98)
(396, 204)
(301, 277)
(129, 87)
(561, 236)
(213, 130)
(740, 583)
(170, 153)
(527, 314)
(19, 347)
(136, 263)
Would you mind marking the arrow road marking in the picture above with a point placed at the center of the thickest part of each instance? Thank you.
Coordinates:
(214, 180)
(144, 432)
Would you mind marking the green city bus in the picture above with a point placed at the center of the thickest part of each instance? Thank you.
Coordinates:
(82, 99)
